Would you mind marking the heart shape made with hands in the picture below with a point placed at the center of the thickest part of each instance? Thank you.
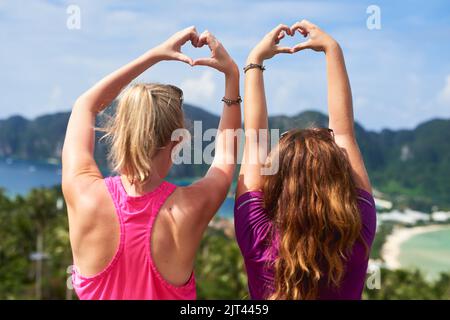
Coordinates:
(200, 41)
(283, 30)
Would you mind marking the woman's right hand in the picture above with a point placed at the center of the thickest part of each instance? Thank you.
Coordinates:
(268, 46)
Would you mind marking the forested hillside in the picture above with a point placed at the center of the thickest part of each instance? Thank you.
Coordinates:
(411, 166)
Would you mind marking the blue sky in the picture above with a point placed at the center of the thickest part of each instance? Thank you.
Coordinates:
(400, 74)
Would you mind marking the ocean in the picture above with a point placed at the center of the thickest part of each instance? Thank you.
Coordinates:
(18, 177)
(428, 252)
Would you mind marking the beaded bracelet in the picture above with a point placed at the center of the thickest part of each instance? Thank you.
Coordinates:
(230, 102)
(254, 66)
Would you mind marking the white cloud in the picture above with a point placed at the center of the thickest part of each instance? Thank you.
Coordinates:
(360, 102)
(55, 96)
(288, 99)
(444, 95)
(200, 89)
(395, 82)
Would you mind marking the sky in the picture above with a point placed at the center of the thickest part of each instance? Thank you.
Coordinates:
(400, 72)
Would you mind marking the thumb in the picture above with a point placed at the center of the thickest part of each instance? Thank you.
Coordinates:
(184, 58)
(302, 46)
(204, 62)
(284, 50)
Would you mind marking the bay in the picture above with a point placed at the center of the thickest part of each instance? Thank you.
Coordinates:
(428, 252)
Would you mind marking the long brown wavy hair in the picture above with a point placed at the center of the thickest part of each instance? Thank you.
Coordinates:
(312, 202)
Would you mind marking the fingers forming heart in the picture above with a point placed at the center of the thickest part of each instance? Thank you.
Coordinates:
(279, 33)
(187, 35)
(206, 38)
(282, 30)
(303, 27)
(197, 41)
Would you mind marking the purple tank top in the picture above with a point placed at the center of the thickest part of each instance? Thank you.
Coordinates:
(254, 228)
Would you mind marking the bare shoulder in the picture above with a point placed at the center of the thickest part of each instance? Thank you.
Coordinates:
(94, 226)
(176, 234)
(186, 214)
(179, 226)
(205, 196)
(186, 201)
(191, 207)
(86, 195)
(89, 206)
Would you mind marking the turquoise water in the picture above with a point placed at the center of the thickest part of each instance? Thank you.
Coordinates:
(19, 177)
(428, 252)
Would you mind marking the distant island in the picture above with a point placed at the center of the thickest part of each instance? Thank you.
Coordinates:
(411, 168)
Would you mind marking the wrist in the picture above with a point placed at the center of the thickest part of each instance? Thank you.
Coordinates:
(157, 54)
(331, 45)
(232, 71)
(255, 57)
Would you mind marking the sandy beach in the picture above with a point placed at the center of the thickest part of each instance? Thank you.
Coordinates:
(391, 249)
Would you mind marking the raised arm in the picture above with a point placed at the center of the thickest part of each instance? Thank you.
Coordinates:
(255, 111)
(79, 168)
(209, 192)
(340, 106)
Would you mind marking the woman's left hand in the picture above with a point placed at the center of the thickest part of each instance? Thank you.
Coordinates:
(268, 46)
(171, 48)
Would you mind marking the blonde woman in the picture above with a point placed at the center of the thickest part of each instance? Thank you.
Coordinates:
(305, 231)
(134, 235)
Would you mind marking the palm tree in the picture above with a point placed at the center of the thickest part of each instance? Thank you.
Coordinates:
(43, 209)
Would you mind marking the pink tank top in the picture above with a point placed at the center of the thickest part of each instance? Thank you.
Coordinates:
(132, 274)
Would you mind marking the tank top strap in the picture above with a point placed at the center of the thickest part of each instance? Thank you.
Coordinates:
(114, 186)
(150, 202)
(165, 190)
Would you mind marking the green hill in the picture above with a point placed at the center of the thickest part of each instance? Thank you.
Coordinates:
(411, 166)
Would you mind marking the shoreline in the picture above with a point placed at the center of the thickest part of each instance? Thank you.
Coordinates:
(391, 249)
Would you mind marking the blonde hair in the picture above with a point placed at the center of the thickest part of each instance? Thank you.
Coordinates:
(145, 117)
